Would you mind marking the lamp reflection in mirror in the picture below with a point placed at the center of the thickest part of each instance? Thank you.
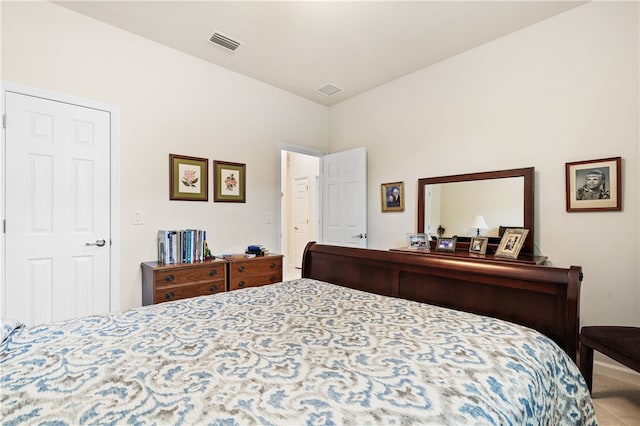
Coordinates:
(478, 224)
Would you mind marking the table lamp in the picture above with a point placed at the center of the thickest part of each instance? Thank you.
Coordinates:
(478, 224)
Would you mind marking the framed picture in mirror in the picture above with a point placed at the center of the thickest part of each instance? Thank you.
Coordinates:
(446, 244)
(478, 245)
(512, 242)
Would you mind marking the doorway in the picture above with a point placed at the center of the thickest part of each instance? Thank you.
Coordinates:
(299, 206)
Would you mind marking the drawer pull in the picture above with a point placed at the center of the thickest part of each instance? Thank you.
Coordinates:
(170, 296)
(169, 278)
(272, 278)
(213, 288)
(241, 268)
(241, 284)
(273, 265)
(213, 273)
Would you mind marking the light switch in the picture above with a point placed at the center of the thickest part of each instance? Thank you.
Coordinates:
(137, 217)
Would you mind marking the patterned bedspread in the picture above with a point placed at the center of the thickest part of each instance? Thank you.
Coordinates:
(292, 353)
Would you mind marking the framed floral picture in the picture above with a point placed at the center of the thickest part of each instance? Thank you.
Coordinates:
(594, 185)
(188, 178)
(229, 182)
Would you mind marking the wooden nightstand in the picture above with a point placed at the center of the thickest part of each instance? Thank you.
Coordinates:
(162, 283)
(254, 271)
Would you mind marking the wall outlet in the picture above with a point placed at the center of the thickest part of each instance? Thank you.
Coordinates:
(268, 218)
(137, 217)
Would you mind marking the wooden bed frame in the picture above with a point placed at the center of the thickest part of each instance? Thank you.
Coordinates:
(540, 297)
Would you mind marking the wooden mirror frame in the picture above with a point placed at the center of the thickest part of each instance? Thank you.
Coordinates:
(528, 188)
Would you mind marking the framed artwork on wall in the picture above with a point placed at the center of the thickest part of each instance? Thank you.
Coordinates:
(594, 185)
(229, 182)
(392, 197)
(511, 242)
(188, 178)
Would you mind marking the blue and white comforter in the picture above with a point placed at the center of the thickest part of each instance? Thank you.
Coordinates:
(293, 353)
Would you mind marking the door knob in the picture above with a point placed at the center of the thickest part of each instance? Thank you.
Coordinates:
(98, 243)
(360, 235)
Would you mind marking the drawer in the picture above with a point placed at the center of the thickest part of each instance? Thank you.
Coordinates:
(256, 266)
(182, 291)
(189, 275)
(242, 281)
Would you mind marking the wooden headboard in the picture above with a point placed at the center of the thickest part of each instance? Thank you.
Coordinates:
(540, 297)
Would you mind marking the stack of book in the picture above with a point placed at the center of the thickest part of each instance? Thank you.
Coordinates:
(184, 246)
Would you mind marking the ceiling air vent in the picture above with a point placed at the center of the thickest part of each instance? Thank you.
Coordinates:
(224, 41)
(329, 89)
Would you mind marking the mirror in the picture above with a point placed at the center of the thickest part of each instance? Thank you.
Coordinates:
(503, 198)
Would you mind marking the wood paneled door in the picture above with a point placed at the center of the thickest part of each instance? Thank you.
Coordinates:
(58, 210)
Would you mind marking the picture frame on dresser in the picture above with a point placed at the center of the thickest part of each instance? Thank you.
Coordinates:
(229, 182)
(478, 245)
(511, 243)
(418, 241)
(188, 178)
(446, 244)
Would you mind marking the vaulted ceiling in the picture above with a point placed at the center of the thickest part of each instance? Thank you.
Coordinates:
(301, 46)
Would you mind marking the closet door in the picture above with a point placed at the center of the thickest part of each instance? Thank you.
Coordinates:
(57, 210)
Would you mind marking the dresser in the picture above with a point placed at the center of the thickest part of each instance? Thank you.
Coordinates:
(254, 271)
(163, 283)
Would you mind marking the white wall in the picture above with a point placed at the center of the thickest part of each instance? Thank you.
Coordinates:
(560, 91)
(169, 103)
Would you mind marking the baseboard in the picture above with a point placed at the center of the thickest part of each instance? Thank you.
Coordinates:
(618, 372)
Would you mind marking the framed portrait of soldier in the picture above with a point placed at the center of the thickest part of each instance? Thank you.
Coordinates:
(594, 185)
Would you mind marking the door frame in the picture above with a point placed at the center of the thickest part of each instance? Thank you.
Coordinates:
(318, 200)
(114, 113)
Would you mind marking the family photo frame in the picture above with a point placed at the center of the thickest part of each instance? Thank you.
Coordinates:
(478, 245)
(594, 185)
(188, 178)
(511, 243)
(418, 241)
(229, 182)
(392, 196)
(446, 244)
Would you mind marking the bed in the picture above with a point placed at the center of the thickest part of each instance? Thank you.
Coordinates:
(306, 351)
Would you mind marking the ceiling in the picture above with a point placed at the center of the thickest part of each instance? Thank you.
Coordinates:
(300, 46)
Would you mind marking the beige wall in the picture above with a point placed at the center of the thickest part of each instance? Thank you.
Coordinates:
(169, 103)
(560, 91)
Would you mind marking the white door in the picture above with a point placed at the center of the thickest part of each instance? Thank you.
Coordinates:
(301, 235)
(57, 191)
(344, 198)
